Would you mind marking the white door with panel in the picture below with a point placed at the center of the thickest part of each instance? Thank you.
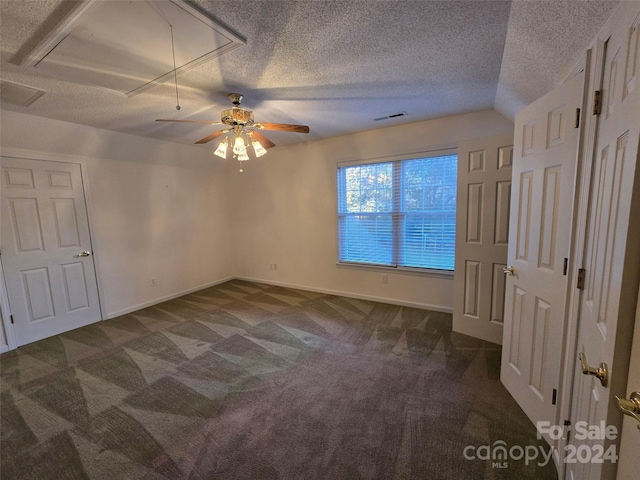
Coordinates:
(610, 252)
(629, 460)
(544, 170)
(46, 249)
(482, 234)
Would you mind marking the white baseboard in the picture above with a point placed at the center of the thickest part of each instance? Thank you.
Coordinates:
(392, 301)
(168, 297)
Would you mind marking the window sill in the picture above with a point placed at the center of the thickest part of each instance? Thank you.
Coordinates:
(420, 272)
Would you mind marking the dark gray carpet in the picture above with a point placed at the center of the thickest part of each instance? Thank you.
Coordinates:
(250, 381)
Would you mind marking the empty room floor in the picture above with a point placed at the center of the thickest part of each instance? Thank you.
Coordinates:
(250, 381)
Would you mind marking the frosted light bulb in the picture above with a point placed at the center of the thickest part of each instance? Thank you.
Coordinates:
(258, 148)
(239, 147)
(221, 151)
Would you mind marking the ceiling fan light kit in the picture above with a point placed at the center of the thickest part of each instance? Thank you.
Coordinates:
(239, 122)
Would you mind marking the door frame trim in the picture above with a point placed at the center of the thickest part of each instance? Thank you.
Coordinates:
(60, 158)
(585, 153)
(9, 333)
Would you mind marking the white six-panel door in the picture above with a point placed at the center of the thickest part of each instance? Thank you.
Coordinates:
(46, 249)
(611, 256)
(544, 169)
(482, 235)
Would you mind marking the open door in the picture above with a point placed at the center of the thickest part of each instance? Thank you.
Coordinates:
(482, 235)
(544, 168)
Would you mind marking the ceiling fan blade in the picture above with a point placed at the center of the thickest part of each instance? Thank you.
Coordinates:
(283, 127)
(208, 138)
(205, 122)
(264, 141)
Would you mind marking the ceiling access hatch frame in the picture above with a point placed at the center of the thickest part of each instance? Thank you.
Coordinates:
(129, 47)
(18, 93)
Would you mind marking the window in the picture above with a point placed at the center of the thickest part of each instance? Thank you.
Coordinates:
(399, 213)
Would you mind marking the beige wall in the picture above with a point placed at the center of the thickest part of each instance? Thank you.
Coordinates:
(157, 209)
(181, 215)
(284, 210)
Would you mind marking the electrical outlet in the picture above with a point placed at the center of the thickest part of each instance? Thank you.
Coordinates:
(153, 282)
(385, 278)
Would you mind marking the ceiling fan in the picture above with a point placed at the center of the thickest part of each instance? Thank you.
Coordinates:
(244, 129)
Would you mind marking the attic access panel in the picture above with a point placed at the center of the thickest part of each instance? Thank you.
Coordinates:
(126, 47)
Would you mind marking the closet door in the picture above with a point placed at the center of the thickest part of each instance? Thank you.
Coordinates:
(46, 249)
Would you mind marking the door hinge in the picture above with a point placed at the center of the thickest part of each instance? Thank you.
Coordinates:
(597, 102)
(565, 267)
(577, 122)
(554, 397)
(11, 318)
(581, 275)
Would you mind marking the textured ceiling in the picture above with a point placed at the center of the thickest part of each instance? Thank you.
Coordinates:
(333, 65)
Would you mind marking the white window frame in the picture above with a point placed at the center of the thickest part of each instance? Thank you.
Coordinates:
(381, 267)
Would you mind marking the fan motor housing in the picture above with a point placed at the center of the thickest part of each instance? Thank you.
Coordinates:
(237, 116)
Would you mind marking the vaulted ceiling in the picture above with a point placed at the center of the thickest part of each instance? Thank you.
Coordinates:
(336, 66)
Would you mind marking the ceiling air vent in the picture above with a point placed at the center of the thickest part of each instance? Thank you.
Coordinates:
(18, 94)
(393, 115)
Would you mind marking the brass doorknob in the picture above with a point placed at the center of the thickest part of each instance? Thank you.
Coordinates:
(508, 270)
(86, 253)
(630, 407)
(601, 372)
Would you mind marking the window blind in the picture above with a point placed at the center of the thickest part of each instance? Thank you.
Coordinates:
(399, 213)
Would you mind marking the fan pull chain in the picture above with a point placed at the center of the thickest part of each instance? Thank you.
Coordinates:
(175, 75)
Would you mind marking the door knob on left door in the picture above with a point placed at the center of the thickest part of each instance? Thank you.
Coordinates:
(86, 253)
